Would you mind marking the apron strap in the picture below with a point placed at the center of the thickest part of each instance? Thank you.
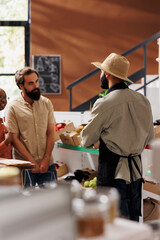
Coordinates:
(130, 167)
(130, 159)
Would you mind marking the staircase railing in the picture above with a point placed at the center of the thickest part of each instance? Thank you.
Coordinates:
(141, 73)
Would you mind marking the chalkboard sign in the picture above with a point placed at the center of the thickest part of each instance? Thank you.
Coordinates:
(48, 68)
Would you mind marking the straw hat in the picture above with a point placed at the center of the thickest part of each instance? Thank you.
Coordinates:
(115, 65)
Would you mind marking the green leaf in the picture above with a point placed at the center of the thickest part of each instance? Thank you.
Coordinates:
(103, 93)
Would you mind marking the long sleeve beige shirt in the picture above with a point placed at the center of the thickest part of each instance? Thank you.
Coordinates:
(123, 119)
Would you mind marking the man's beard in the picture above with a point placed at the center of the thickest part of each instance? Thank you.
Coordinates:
(34, 94)
(104, 82)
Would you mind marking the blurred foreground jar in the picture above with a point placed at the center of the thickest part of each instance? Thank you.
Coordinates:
(90, 213)
(76, 189)
(114, 199)
(9, 176)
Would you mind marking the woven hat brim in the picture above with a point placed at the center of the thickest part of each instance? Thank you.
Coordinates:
(100, 66)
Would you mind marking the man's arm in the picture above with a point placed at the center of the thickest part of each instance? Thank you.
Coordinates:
(44, 164)
(92, 131)
(23, 151)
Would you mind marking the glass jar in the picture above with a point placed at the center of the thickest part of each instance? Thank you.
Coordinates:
(9, 176)
(114, 199)
(90, 213)
(76, 189)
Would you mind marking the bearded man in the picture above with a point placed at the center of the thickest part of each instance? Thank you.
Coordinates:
(123, 123)
(30, 120)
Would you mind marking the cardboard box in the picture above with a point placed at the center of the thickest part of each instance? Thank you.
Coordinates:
(61, 168)
(77, 140)
(66, 138)
(93, 173)
(69, 128)
(152, 187)
(157, 131)
(71, 138)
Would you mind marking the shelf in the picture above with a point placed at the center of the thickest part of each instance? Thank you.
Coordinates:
(78, 148)
(82, 149)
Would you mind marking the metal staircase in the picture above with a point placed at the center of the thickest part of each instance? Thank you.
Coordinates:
(141, 73)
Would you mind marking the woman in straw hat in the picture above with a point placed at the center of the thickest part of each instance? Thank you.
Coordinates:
(123, 123)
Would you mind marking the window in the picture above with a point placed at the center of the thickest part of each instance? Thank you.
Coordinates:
(12, 10)
(11, 49)
(15, 42)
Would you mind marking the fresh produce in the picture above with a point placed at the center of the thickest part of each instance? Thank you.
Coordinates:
(86, 183)
(79, 129)
(91, 183)
(60, 126)
(95, 179)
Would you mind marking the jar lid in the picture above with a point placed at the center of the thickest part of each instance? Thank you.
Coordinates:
(91, 204)
(111, 192)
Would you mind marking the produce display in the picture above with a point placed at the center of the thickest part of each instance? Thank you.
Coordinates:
(80, 128)
(92, 183)
(60, 126)
(84, 175)
(68, 134)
